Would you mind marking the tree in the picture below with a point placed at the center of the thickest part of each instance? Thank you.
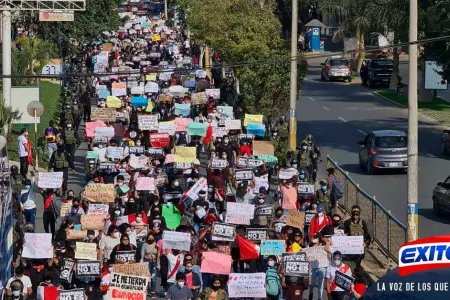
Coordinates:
(7, 116)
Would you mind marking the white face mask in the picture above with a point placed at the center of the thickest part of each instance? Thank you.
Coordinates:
(138, 219)
(176, 183)
(110, 270)
(181, 284)
(261, 201)
(100, 146)
(304, 147)
(91, 236)
(271, 263)
(116, 234)
(226, 141)
(320, 214)
(337, 262)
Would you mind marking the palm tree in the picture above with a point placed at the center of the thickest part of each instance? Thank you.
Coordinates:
(7, 116)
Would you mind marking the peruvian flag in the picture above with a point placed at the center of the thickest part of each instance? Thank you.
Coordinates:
(129, 219)
(47, 293)
(248, 250)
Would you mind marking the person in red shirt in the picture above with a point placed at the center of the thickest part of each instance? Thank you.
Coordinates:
(245, 148)
(319, 221)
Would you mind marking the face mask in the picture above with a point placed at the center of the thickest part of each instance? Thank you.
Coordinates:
(275, 134)
(176, 183)
(323, 188)
(215, 287)
(261, 200)
(315, 241)
(213, 156)
(209, 120)
(181, 284)
(91, 236)
(116, 234)
(210, 190)
(336, 223)
(337, 262)
(138, 143)
(295, 166)
(151, 241)
(271, 263)
(124, 166)
(110, 270)
(188, 269)
(75, 205)
(302, 176)
(304, 147)
(27, 187)
(139, 219)
(226, 141)
(120, 184)
(224, 156)
(117, 212)
(16, 293)
(320, 214)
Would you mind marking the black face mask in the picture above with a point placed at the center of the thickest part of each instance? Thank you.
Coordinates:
(336, 223)
(215, 287)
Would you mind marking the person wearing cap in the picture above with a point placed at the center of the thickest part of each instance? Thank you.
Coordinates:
(335, 292)
(22, 142)
(319, 221)
(16, 290)
(28, 201)
(27, 289)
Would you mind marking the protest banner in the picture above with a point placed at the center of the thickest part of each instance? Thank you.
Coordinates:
(243, 175)
(129, 282)
(343, 281)
(90, 222)
(306, 189)
(64, 208)
(119, 294)
(119, 89)
(91, 126)
(246, 136)
(76, 234)
(37, 245)
(159, 140)
(113, 102)
(103, 114)
(247, 285)
(145, 184)
(242, 161)
(197, 129)
(295, 219)
(96, 209)
(67, 270)
(213, 93)
(126, 256)
(219, 131)
(308, 216)
(148, 122)
(106, 166)
(253, 163)
(348, 244)
(233, 124)
(151, 87)
(137, 269)
(138, 162)
(88, 268)
(156, 151)
(218, 163)
(200, 185)
(136, 150)
(106, 132)
(253, 119)
(99, 192)
(166, 127)
(295, 264)
(176, 240)
(198, 98)
(239, 213)
(273, 247)
(262, 147)
(182, 123)
(185, 154)
(215, 263)
(115, 152)
(50, 180)
(261, 181)
(86, 251)
(75, 294)
(223, 232)
(263, 210)
(164, 97)
(317, 257)
(257, 234)
(182, 166)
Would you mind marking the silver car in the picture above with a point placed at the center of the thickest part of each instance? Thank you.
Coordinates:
(384, 149)
(336, 68)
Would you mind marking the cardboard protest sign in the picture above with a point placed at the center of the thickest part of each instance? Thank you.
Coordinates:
(295, 219)
(98, 209)
(103, 114)
(295, 264)
(159, 140)
(126, 256)
(198, 98)
(343, 281)
(348, 244)
(137, 269)
(182, 123)
(176, 240)
(37, 245)
(317, 257)
(243, 175)
(257, 234)
(247, 285)
(76, 234)
(233, 124)
(75, 294)
(200, 185)
(148, 122)
(138, 162)
(50, 180)
(119, 89)
(306, 189)
(90, 222)
(164, 98)
(239, 213)
(64, 208)
(67, 270)
(99, 192)
(223, 232)
(185, 154)
(107, 46)
(308, 216)
(213, 93)
(263, 210)
(86, 251)
(216, 263)
(218, 163)
(145, 184)
(88, 268)
(262, 147)
(273, 247)
(123, 286)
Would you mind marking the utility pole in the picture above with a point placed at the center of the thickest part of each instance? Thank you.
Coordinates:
(6, 57)
(165, 10)
(293, 94)
(207, 62)
(413, 165)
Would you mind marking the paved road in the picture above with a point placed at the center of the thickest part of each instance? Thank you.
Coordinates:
(341, 114)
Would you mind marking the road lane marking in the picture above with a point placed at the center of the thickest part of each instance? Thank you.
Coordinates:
(362, 132)
(311, 99)
(342, 119)
(324, 107)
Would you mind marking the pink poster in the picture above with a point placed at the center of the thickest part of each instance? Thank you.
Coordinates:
(90, 127)
(216, 263)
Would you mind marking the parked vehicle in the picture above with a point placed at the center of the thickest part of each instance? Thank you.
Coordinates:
(376, 71)
(336, 67)
(441, 197)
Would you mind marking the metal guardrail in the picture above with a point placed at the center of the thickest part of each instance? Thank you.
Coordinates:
(388, 232)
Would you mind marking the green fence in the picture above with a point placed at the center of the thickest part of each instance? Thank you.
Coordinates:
(388, 232)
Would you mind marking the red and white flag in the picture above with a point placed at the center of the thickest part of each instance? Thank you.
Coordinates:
(129, 219)
(47, 293)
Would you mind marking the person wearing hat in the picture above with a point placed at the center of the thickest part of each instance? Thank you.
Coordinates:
(16, 289)
(25, 289)
(319, 221)
(22, 142)
(335, 292)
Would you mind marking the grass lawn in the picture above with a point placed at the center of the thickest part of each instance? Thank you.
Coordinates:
(438, 109)
(355, 74)
(50, 95)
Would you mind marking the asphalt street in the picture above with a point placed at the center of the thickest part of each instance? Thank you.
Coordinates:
(341, 114)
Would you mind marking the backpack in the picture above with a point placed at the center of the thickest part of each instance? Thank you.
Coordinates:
(273, 282)
(337, 187)
(24, 197)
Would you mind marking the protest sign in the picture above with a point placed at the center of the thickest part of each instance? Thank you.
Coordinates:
(119, 89)
(200, 185)
(136, 150)
(86, 251)
(295, 264)
(239, 213)
(99, 192)
(91, 126)
(137, 269)
(113, 102)
(308, 216)
(278, 226)
(253, 163)
(243, 175)
(106, 166)
(103, 114)
(67, 270)
(295, 219)
(115, 152)
(182, 123)
(253, 119)
(218, 163)
(75, 294)
(261, 181)
(156, 151)
(257, 234)
(185, 154)
(148, 122)
(145, 184)
(262, 147)
(216, 263)
(50, 180)
(138, 162)
(242, 161)
(182, 109)
(142, 234)
(120, 294)
(37, 245)
(244, 136)
(106, 132)
(348, 244)
(64, 208)
(126, 256)
(151, 87)
(176, 240)
(263, 210)
(159, 140)
(164, 97)
(76, 234)
(233, 124)
(129, 282)
(88, 268)
(90, 222)
(343, 281)
(98, 209)
(182, 166)
(317, 257)
(213, 93)
(223, 232)
(198, 98)
(273, 247)
(166, 127)
(219, 131)
(306, 189)
(197, 129)
(247, 285)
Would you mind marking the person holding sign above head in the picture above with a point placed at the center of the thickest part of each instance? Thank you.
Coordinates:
(335, 292)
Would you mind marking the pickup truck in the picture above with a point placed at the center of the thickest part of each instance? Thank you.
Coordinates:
(376, 71)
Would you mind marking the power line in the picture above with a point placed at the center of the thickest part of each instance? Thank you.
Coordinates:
(187, 71)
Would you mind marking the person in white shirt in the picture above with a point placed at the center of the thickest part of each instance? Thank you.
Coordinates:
(23, 153)
(19, 275)
(27, 201)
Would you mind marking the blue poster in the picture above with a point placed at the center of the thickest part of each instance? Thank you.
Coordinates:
(182, 109)
(272, 247)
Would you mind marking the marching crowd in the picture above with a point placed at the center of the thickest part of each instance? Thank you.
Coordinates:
(179, 200)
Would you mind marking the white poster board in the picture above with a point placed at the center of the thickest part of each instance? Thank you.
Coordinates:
(433, 78)
(20, 98)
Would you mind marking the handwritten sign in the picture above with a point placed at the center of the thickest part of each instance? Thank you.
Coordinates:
(200, 185)
(182, 124)
(119, 89)
(317, 257)
(86, 251)
(169, 128)
(216, 263)
(212, 93)
(295, 264)
(103, 114)
(128, 282)
(295, 219)
(50, 180)
(308, 217)
(145, 184)
(176, 240)
(106, 132)
(138, 162)
(136, 269)
(263, 147)
(99, 192)
(273, 247)
(219, 131)
(239, 213)
(148, 122)
(98, 209)
(90, 222)
(198, 98)
(37, 245)
(151, 87)
(242, 161)
(348, 244)
(257, 234)
(233, 124)
(88, 268)
(223, 232)
(247, 285)
(263, 210)
(343, 281)
(115, 152)
(305, 188)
